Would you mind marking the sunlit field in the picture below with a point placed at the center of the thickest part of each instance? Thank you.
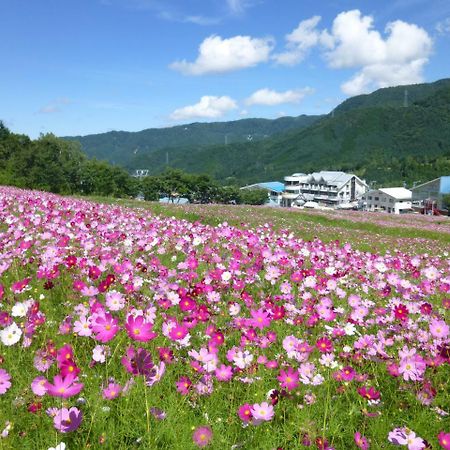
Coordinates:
(134, 325)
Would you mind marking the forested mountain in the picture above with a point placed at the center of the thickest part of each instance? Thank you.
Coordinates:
(52, 164)
(122, 147)
(374, 136)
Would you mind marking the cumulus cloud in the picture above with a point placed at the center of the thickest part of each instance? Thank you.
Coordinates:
(209, 107)
(217, 55)
(396, 57)
(399, 58)
(269, 97)
(301, 40)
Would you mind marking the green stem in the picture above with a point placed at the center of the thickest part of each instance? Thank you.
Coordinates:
(147, 412)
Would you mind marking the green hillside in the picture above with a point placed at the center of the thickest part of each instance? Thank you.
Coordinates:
(386, 144)
(123, 148)
(373, 135)
(393, 96)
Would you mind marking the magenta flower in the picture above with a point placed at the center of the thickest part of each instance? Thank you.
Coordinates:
(360, 441)
(67, 420)
(202, 436)
(444, 440)
(138, 362)
(139, 330)
(112, 391)
(183, 385)
(178, 332)
(348, 373)
(63, 386)
(324, 345)
(369, 394)
(288, 379)
(105, 326)
(245, 412)
(5, 384)
(260, 318)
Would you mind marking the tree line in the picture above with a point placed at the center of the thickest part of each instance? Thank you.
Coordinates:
(59, 166)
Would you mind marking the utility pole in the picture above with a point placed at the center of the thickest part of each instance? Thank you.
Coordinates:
(405, 99)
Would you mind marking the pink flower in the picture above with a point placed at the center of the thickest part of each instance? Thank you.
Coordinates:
(262, 412)
(63, 387)
(138, 330)
(288, 379)
(5, 384)
(202, 436)
(412, 368)
(112, 391)
(439, 329)
(38, 386)
(105, 326)
(224, 373)
(361, 441)
(66, 420)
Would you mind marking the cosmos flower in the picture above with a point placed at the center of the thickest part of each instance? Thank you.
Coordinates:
(112, 391)
(262, 412)
(64, 387)
(5, 382)
(202, 436)
(138, 330)
(10, 335)
(67, 420)
(288, 378)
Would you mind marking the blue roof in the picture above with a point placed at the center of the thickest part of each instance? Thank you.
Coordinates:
(445, 185)
(275, 186)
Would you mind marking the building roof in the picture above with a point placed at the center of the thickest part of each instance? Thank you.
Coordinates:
(275, 186)
(444, 185)
(336, 178)
(399, 193)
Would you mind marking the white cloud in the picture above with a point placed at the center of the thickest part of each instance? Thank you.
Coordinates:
(269, 97)
(217, 55)
(395, 58)
(443, 27)
(208, 107)
(301, 40)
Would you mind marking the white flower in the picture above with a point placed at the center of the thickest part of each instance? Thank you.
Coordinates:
(19, 310)
(349, 329)
(226, 276)
(10, 335)
(60, 446)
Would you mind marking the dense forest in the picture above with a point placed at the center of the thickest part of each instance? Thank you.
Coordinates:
(393, 136)
(59, 166)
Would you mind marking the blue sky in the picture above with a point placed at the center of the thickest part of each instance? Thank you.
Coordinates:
(75, 68)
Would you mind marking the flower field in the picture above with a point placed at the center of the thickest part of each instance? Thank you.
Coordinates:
(121, 329)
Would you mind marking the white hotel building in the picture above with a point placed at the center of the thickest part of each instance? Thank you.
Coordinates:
(392, 200)
(329, 188)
